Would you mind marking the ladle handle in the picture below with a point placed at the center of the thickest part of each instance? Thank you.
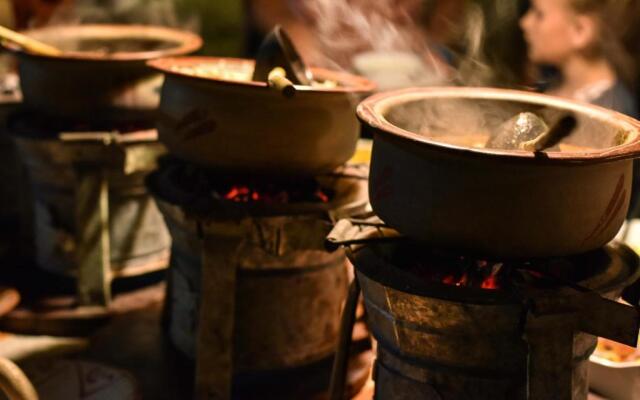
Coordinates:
(277, 80)
(27, 43)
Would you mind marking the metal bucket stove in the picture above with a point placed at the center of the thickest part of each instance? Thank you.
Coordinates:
(450, 326)
(93, 219)
(253, 295)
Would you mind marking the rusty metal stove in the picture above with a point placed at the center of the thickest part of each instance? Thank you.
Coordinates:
(529, 339)
(93, 218)
(253, 295)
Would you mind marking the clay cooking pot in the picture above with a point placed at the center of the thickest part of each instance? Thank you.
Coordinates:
(433, 179)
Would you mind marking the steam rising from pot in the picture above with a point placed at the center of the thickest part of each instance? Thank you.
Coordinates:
(402, 43)
(470, 122)
(380, 40)
(146, 12)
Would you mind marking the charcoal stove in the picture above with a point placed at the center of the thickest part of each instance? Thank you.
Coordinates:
(93, 220)
(253, 296)
(453, 327)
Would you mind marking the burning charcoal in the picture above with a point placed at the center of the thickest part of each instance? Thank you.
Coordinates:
(521, 128)
(252, 192)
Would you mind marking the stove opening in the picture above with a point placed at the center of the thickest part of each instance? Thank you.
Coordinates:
(439, 267)
(193, 186)
(270, 193)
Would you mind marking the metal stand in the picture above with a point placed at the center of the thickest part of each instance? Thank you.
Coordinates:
(552, 321)
(341, 360)
(92, 226)
(94, 154)
(214, 367)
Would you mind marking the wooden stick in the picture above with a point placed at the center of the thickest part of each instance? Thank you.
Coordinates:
(27, 43)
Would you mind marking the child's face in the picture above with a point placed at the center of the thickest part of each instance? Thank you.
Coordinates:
(551, 32)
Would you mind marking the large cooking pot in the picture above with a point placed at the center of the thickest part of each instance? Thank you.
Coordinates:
(214, 115)
(101, 66)
(433, 180)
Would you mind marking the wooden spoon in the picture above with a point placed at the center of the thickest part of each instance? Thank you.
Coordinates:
(27, 43)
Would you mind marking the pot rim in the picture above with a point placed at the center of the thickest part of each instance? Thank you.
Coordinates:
(371, 110)
(186, 42)
(352, 83)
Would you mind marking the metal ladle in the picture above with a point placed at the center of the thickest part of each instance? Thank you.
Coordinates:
(277, 51)
(552, 136)
(526, 131)
(28, 44)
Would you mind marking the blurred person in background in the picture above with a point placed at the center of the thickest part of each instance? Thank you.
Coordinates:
(435, 42)
(592, 45)
(483, 37)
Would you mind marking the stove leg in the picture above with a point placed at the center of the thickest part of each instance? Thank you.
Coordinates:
(92, 227)
(214, 348)
(550, 359)
(341, 360)
(166, 316)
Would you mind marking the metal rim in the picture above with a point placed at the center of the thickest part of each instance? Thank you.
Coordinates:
(185, 42)
(350, 83)
(372, 264)
(371, 112)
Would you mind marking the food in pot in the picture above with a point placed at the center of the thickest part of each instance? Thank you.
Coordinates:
(616, 352)
(221, 70)
(232, 72)
(522, 128)
(112, 46)
(479, 141)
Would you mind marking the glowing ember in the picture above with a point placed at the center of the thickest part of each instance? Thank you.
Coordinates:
(490, 283)
(461, 272)
(440, 267)
(272, 194)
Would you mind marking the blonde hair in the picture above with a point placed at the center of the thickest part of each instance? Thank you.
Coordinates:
(619, 35)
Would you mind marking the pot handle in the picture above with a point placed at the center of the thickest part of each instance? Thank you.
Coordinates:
(352, 231)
